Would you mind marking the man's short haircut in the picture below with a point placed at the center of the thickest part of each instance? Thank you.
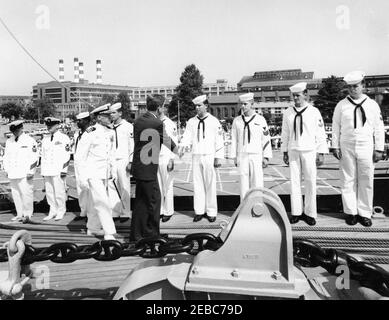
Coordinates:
(154, 102)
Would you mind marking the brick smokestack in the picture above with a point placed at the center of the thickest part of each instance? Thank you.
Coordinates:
(61, 70)
(99, 72)
(76, 70)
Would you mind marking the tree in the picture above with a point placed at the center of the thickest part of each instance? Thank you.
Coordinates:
(108, 98)
(124, 99)
(190, 87)
(11, 111)
(333, 90)
(44, 108)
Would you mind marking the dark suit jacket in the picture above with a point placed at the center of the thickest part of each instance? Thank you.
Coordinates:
(149, 135)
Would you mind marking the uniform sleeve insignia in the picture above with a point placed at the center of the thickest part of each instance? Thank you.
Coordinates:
(131, 135)
(220, 130)
(34, 149)
(57, 143)
(321, 123)
(265, 132)
(67, 147)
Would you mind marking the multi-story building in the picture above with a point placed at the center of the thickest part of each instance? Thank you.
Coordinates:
(20, 100)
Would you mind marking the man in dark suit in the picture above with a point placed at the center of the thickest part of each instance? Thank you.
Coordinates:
(149, 135)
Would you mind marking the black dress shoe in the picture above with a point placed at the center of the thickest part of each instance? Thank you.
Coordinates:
(166, 218)
(351, 220)
(294, 219)
(366, 222)
(198, 217)
(211, 219)
(79, 218)
(309, 220)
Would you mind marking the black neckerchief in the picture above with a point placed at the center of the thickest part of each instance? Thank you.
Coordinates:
(201, 121)
(247, 125)
(299, 114)
(358, 106)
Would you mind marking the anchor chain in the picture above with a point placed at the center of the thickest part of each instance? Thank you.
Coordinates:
(306, 254)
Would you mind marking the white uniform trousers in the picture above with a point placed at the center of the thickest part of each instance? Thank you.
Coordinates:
(204, 185)
(120, 208)
(99, 215)
(83, 199)
(303, 163)
(22, 191)
(357, 179)
(56, 196)
(250, 171)
(165, 180)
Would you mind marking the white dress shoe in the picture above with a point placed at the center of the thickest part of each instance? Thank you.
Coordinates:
(49, 217)
(95, 233)
(17, 219)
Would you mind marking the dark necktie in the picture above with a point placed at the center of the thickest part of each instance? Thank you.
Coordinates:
(116, 135)
(247, 125)
(299, 114)
(52, 137)
(358, 106)
(201, 121)
(16, 139)
(78, 138)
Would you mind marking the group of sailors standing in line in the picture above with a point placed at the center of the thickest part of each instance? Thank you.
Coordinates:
(104, 152)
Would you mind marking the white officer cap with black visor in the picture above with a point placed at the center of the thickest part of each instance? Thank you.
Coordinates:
(15, 125)
(51, 121)
(82, 115)
(104, 109)
(116, 106)
(354, 77)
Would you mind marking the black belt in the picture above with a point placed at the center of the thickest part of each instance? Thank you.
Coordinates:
(247, 125)
(358, 106)
(300, 115)
(201, 121)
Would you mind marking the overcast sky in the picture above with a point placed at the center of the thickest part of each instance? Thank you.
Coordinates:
(149, 42)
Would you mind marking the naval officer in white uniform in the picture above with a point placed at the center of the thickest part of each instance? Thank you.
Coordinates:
(166, 167)
(205, 134)
(96, 163)
(54, 167)
(304, 145)
(83, 123)
(20, 162)
(120, 189)
(250, 145)
(358, 139)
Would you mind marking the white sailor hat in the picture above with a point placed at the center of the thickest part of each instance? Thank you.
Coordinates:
(246, 97)
(104, 109)
(15, 125)
(82, 115)
(298, 87)
(50, 121)
(354, 77)
(116, 106)
(199, 99)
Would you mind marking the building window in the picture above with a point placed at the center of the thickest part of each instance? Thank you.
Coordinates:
(233, 112)
(225, 112)
(218, 113)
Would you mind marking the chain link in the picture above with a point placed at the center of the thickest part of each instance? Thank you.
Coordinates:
(306, 254)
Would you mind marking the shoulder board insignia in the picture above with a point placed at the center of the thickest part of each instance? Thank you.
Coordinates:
(57, 143)
(24, 146)
(34, 149)
(90, 129)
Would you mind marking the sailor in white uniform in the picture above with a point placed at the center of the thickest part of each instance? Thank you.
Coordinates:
(205, 134)
(96, 163)
(304, 145)
(83, 123)
(358, 139)
(166, 167)
(120, 189)
(20, 162)
(54, 167)
(250, 145)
